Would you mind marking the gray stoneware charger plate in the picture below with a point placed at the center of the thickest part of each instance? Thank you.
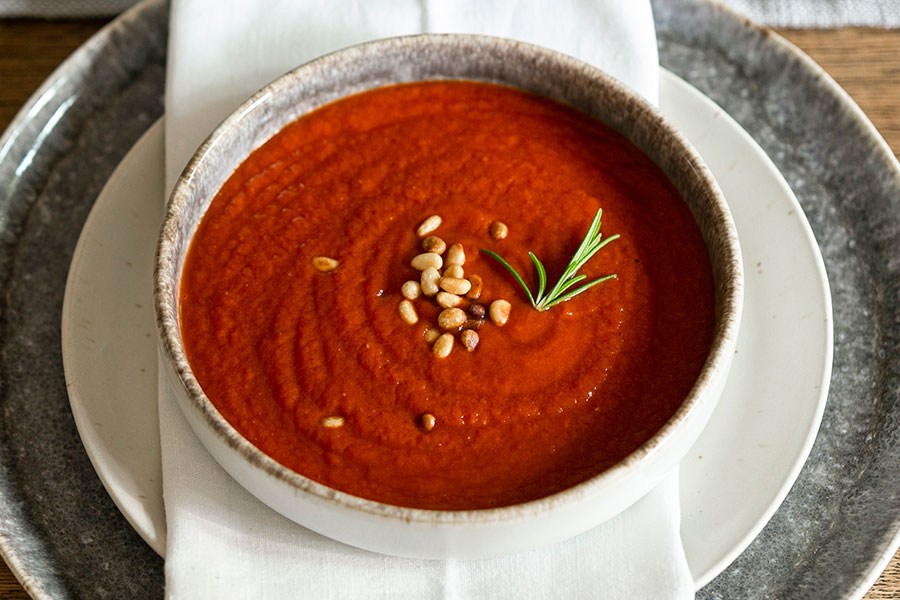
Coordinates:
(832, 535)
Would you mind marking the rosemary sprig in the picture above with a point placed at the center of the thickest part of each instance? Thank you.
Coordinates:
(563, 291)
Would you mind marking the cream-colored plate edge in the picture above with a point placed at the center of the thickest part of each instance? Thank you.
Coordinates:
(751, 452)
(109, 337)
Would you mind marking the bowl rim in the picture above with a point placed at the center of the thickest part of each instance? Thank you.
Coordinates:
(172, 350)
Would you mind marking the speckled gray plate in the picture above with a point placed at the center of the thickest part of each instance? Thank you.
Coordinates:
(62, 534)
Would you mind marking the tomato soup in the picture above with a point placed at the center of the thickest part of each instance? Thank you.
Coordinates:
(316, 367)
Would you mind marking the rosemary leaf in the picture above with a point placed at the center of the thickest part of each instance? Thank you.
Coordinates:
(592, 242)
(542, 277)
(579, 290)
(513, 271)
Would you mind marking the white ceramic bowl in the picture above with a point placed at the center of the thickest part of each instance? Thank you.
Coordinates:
(431, 533)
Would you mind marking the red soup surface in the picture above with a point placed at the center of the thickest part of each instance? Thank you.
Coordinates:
(544, 402)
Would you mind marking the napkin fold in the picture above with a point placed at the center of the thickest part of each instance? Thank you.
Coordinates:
(222, 542)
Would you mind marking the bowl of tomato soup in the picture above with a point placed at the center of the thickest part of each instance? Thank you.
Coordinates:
(447, 296)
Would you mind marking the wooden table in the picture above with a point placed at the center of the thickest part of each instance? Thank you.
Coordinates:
(865, 62)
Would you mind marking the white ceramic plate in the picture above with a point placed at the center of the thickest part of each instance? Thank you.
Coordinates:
(756, 442)
(732, 481)
(109, 337)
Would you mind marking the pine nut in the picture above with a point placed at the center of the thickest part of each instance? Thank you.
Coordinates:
(429, 281)
(499, 230)
(420, 262)
(428, 225)
(324, 264)
(431, 334)
(434, 244)
(469, 339)
(454, 271)
(428, 421)
(454, 285)
(447, 300)
(476, 311)
(451, 318)
(408, 312)
(333, 422)
(411, 290)
(477, 286)
(443, 345)
(474, 324)
(456, 255)
(499, 311)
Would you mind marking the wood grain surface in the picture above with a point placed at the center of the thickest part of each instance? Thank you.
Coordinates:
(866, 62)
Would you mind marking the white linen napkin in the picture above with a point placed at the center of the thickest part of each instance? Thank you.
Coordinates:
(222, 542)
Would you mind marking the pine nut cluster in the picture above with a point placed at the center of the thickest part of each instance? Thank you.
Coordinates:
(442, 280)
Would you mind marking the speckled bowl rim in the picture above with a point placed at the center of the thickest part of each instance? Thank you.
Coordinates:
(729, 292)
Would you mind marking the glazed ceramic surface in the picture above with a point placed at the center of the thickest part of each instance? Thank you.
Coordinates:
(835, 530)
(447, 534)
(731, 485)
